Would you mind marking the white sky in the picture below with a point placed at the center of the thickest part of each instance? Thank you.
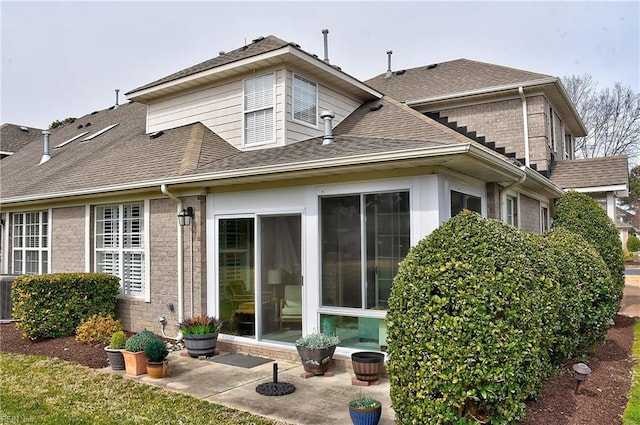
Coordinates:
(62, 59)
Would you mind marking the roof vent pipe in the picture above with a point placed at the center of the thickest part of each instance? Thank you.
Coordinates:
(326, 45)
(117, 91)
(47, 153)
(388, 74)
(327, 116)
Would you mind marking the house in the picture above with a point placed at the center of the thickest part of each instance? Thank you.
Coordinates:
(271, 189)
(626, 225)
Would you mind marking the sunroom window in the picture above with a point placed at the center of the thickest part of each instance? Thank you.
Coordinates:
(259, 118)
(461, 201)
(31, 242)
(364, 237)
(119, 244)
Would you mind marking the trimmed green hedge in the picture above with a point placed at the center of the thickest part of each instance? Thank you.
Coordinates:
(471, 316)
(582, 215)
(53, 305)
(633, 243)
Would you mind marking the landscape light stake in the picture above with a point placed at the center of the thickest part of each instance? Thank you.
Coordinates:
(580, 372)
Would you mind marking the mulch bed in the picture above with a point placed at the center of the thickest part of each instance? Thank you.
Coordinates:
(601, 400)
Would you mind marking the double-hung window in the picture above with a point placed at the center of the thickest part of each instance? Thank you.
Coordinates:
(259, 105)
(512, 210)
(31, 242)
(119, 244)
(305, 100)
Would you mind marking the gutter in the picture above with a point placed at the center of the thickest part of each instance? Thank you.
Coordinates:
(525, 125)
(179, 208)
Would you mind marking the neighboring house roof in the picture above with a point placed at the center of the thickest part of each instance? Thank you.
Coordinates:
(439, 86)
(609, 173)
(13, 137)
(446, 78)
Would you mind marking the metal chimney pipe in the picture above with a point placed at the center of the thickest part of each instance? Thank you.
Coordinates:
(327, 116)
(326, 45)
(117, 91)
(388, 74)
(47, 152)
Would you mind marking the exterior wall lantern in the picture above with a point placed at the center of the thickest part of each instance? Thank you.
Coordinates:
(185, 216)
(580, 372)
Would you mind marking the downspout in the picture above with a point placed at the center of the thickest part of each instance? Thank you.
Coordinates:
(179, 208)
(503, 192)
(525, 121)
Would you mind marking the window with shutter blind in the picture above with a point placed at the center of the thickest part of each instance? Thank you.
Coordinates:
(305, 100)
(259, 100)
(119, 238)
(31, 242)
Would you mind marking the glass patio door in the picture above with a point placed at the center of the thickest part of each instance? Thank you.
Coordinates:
(280, 249)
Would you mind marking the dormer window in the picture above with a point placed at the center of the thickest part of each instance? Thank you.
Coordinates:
(259, 105)
(305, 100)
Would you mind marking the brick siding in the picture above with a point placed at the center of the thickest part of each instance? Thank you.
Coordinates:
(67, 239)
(529, 214)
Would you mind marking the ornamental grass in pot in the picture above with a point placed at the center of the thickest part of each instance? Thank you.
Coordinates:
(156, 352)
(365, 410)
(114, 350)
(200, 335)
(316, 351)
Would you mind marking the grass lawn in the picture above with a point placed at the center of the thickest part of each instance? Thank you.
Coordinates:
(44, 390)
(632, 412)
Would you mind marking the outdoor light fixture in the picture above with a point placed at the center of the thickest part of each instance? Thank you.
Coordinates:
(580, 372)
(185, 216)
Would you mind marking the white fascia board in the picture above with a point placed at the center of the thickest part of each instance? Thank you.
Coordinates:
(543, 181)
(510, 170)
(247, 61)
(485, 90)
(6, 153)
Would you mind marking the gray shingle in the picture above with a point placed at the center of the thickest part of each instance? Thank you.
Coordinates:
(591, 172)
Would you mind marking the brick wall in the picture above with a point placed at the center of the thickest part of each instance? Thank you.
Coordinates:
(493, 200)
(67, 239)
(529, 214)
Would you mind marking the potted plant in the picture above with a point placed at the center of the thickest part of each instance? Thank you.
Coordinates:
(134, 359)
(114, 350)
(316, 351)
(156, 352)
(365, 410)
(200, 335)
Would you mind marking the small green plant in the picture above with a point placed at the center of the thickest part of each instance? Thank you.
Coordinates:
(633, 243)
(97, 329)
(139, 341)
(318, 340)
(118, 340)
(364, 402)
(156, 350)
(200, 325)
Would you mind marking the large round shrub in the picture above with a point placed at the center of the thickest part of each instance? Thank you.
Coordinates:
(466, 325)
(588, 293)
(633, 243)
(580, 214)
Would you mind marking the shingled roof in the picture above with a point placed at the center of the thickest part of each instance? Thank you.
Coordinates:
(591, 172)
(13, 137)
(457, 76)
(257, 47)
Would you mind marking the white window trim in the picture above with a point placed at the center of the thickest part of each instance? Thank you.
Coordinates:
(544, 205)
(516, 196)
(293, 117)
(478, 191)
(245, 111)
(43, 251)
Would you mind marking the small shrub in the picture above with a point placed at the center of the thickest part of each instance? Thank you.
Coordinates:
(139, 341)
(97, 329)
(156, 350)
(633, 243)
(118, 340)
(54, 305)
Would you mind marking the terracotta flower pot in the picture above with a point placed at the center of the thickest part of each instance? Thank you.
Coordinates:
(158, 369)
(135, 363)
